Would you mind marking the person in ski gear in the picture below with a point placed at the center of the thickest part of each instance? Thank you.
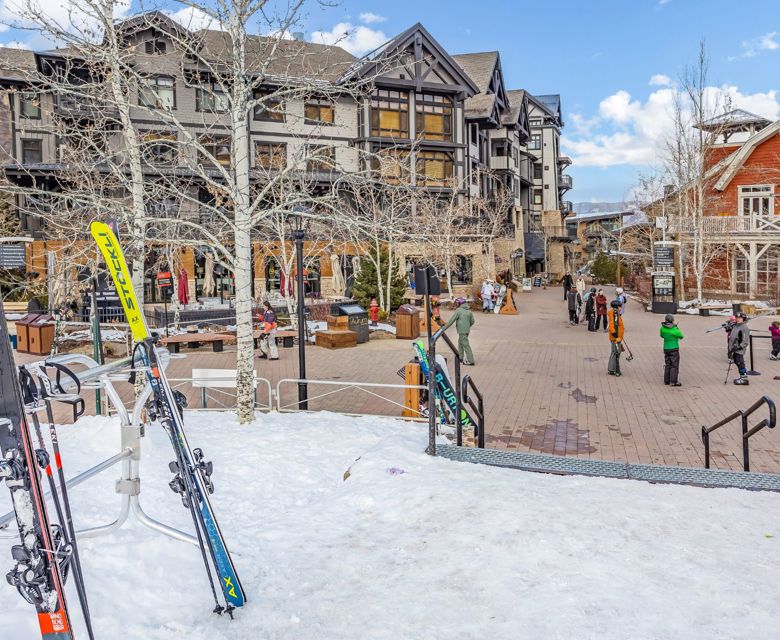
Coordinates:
(574, 301)
(487, 292)
(671, 335)
(616, 330)
(581, 286)
(620, 296)
(567, 281)
(463, 320)
(738, 344)
(590, 309)
(601, 310)
(268, 326)
(774, 329)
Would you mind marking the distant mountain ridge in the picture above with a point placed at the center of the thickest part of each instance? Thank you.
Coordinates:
(602, 207)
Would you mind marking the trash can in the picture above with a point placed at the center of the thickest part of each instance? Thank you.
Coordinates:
(407, 322)
(23, 332)
(40, 334)
(358, 320)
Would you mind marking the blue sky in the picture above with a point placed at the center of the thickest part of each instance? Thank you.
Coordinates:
(614, 62)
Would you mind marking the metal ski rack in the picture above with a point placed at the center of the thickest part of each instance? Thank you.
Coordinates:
(128, 486)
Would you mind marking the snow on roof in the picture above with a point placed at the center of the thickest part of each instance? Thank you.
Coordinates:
(597, 215)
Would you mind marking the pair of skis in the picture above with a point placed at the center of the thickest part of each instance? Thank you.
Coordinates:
(192, 479)
(48, 552)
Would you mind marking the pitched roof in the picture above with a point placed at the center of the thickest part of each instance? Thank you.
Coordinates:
(16, 64)
(552, 103)
(478, 66)
(735, 117)
(734, 162)
(480, 105)
(516, 98)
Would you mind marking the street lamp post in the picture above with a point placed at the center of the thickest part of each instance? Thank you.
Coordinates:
(298, 234)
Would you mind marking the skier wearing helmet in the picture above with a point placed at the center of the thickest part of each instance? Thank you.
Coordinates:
(738, 344)
(463, 320)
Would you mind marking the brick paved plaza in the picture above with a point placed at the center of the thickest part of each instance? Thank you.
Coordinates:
(546, 388)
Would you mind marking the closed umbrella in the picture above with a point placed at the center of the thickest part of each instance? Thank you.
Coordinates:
(208, 278)
(338, 277)
(184, 288)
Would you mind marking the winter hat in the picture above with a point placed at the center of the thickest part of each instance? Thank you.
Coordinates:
(615, 304)
(593, 289)
(460, 300)
(618, 291)
(669, 318)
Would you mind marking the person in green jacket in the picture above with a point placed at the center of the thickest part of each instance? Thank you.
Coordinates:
(462, 319)
(672, 335)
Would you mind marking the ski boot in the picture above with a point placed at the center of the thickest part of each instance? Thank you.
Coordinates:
(742, 380)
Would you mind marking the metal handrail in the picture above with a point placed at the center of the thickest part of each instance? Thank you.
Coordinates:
(770, 421)
(432, 340)
(479, 408)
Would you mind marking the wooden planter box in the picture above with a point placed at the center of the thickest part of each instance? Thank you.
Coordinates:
(332, 339)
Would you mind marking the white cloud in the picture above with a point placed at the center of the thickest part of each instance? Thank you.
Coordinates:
(660, 80)
(193, 19)
(358, 40)
(371, 18)
(754, 46)
(628, 131)
(661, 3)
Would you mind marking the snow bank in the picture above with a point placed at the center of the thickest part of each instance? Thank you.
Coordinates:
(411, 546)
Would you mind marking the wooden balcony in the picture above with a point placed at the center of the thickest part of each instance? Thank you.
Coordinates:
(718, 228)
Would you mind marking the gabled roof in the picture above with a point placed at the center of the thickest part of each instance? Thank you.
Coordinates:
(371, 63)
(512, 115)
(16, 64)
(480, 106)
(734, 119)
(478, 66)
(734, 162)
(551, 104)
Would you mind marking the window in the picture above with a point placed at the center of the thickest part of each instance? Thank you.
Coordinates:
(319, 112)
(433, 116)
(271, 109)
(537, 171)
(537, 196)
(159, 148)
(218, 147)
(155, 47)
(30, 105)
(434, 168)
(320, 158)
(390, 114)
(210, 97)
(756, 200)
(157, 92)
(270, 156)
(392, 165)
(474, 129)
(535, 122)
(535, 142)
(32, 151)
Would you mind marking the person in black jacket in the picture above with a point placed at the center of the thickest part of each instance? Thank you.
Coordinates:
(590, 309)
(567, 282)
(573, 300)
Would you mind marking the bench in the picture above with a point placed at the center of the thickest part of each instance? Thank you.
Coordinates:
(205, 379)
(194, 340)
(286, 336)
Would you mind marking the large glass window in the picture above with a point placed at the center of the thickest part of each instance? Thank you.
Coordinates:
(32, 151)
(218, 147)
(270, 108)
(270, 155)
(210, 97)
(756, 200)
(433, 116)
(30, 105)
(320, 158)
(537, 171)
(319, 112)
(390, 114)
(392, 165)
(535, 143)
(768, 276)
(538, 196)
(157, 92)
(159, 148)
(434, 168)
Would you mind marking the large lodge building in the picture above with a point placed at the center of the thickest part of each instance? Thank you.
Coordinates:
(452, 116)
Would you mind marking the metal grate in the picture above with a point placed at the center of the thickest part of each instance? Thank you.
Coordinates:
(579, 466)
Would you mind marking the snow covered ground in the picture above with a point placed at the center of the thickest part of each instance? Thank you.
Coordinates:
(411, 546)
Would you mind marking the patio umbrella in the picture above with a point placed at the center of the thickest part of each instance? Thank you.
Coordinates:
(208, 278)
(338, 277)
(184, 288)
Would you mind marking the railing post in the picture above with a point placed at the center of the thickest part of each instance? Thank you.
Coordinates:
(481, 439)
(705, 436)
(745, 444)
(458, 404)
(431, 450)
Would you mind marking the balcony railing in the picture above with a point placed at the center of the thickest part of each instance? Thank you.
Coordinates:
(567, 207)
(564, 160)
(565, 181)
(725, 225)
(500, 163)
(561, 233)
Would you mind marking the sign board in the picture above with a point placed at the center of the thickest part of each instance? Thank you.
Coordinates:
(537, 281)
(11, 256)
(663, 258)
(164, 279)
(527, 284)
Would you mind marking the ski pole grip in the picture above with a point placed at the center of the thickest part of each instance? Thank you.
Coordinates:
(68, 372)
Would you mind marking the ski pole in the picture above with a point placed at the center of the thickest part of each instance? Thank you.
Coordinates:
(728, 371)
(630, 355)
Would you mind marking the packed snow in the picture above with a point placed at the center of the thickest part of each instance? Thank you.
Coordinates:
(410, 546)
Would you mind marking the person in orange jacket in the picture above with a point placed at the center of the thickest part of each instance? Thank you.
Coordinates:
(616, 329)
(268, 339)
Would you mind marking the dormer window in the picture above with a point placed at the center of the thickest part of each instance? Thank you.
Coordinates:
(155, 47)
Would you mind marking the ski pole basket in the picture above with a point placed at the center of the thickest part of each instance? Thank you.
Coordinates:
(747, 432)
